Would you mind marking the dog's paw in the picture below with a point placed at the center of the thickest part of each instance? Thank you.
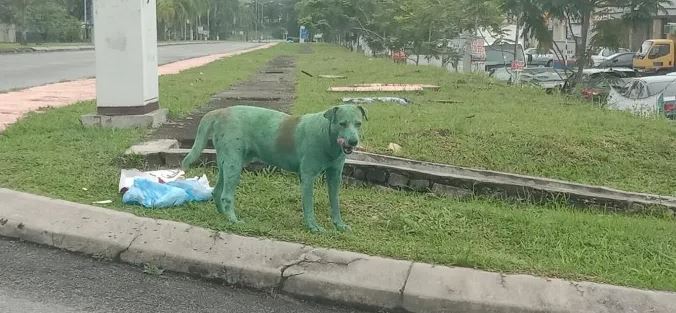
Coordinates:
(342, 227)
(316, 229)
(235, 221)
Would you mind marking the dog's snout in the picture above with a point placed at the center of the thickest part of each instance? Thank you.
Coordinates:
(352, 142)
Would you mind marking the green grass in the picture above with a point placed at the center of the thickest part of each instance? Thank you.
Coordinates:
(50, 153)
(498, 127)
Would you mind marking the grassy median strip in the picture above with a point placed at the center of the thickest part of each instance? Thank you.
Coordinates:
(493, 126)
(50, 153)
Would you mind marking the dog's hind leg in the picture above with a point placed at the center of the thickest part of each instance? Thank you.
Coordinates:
(333, 180)
(229, 171)
(218, 189)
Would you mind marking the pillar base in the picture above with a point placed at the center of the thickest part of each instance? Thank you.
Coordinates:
(151, 119)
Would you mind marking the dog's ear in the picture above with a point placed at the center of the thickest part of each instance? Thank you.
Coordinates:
(363, 112)
(330, 114)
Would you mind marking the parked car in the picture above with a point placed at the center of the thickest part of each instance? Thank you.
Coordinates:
(604, 53)
(596, 83)
(546, 78)
(501, 54)
(536, 57)
(622, 59)
(647, 95)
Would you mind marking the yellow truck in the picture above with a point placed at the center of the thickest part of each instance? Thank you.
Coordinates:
(657, 56)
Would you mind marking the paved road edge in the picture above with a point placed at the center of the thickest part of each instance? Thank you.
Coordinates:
(304, 271)
(41, 49)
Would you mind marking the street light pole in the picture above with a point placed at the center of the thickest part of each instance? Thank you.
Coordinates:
(256, 20)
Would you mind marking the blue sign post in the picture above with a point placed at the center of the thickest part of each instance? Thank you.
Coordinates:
(303, 34)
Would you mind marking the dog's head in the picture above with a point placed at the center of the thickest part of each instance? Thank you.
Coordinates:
(345, 122)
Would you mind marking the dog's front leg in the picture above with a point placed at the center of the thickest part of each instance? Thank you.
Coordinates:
(307, 181)
(333, 179)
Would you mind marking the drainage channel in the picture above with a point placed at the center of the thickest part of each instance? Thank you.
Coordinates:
(272, 87)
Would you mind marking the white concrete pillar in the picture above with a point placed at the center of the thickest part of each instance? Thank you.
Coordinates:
(127, 93)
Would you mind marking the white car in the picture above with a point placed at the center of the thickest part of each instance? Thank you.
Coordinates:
(604, 54)
(535, 57)
(647, 96)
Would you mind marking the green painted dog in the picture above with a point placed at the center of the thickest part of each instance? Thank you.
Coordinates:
(309, 145)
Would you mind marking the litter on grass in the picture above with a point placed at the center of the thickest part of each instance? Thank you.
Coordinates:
(383, 87)
(332, 76)
(401, 101)
(163, 188)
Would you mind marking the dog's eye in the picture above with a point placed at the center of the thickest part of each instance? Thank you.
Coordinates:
(343, 124)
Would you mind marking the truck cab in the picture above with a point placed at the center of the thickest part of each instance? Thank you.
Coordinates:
(656, 56)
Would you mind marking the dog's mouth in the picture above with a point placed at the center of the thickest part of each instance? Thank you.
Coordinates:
(347, 148)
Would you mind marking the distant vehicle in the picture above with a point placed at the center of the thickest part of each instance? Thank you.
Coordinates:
(501, 54)
(535, 57)
(547, 78)
(654, 94)
(604, 53)
(643, 87)
(622, 59)
(597, 82)
(292, 39)
(656, 56)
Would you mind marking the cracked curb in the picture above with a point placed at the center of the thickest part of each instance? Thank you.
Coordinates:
(303, 271)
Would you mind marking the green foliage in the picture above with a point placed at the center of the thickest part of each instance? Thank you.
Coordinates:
(49, 21)
(177, 19)
(420, 27)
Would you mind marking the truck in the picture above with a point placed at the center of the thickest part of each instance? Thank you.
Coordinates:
(657, 56)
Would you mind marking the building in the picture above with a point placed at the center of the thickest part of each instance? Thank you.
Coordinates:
(564, 34)
(662, 18)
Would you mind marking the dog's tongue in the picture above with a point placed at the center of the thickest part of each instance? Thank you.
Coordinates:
(341, 141)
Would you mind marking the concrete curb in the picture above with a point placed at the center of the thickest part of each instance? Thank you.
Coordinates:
(304, 271)
(447, 180)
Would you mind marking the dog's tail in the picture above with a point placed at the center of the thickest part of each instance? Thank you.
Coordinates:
(201, 140)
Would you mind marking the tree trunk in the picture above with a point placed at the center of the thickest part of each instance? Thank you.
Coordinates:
(516, 38)
(581, 52)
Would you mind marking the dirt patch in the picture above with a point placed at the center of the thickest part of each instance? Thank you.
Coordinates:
(305, 49)
(272, 87)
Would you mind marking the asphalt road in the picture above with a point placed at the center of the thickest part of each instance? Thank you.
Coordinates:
(18, 71)
(37, 279)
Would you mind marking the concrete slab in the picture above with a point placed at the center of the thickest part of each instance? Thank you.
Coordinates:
(446, 180)
(237, 260)
(153, 146)
(152, 119)
(66, 225)
(347, 277)
(443, 289)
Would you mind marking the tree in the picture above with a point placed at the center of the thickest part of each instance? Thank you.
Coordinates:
(534, 15)
(51, 22)
(334, 19)
(419, 27)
